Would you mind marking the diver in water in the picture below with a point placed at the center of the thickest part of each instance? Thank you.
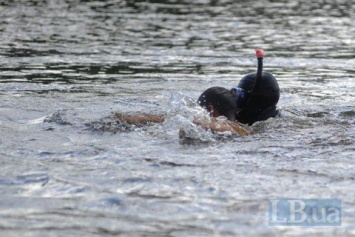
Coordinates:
(253, 100)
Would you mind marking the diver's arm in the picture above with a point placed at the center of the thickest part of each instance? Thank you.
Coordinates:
(213, 124)
(139, 119)
(222, 126)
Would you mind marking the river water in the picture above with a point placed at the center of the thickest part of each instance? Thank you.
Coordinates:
(69, 169)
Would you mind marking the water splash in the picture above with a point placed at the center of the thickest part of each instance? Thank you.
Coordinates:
(180, 117)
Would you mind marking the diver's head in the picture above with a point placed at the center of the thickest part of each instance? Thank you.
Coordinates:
(260, 104)
(219, 101)
(268, 93)
(253, 100)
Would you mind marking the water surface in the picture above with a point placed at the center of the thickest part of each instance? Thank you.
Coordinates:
(69, 169)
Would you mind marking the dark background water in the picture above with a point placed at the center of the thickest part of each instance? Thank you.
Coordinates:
(68, 169)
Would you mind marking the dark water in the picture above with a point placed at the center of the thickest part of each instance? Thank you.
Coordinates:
(68, 169)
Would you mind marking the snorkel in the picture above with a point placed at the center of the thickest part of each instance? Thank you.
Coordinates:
(262, 93)
(244, 97)
(259, 54)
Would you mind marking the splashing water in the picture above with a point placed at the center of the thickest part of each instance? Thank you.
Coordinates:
(182, 111)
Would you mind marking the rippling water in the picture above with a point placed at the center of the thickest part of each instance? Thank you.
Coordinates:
(68, 169)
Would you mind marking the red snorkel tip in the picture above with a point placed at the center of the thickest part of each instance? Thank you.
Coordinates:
(259, 53)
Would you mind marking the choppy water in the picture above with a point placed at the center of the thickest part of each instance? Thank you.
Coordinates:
(67, 169)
